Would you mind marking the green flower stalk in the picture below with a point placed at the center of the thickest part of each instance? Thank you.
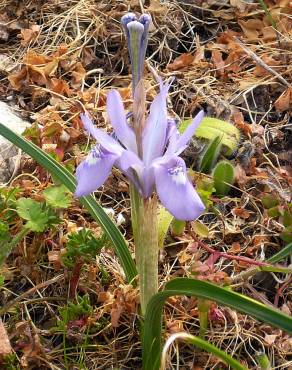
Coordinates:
(147, 151)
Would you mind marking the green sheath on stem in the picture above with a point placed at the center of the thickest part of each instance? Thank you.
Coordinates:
(144, 222)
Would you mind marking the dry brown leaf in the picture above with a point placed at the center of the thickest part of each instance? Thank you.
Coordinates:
(241, 212)
(19, 79)
(155, 7)
(78, 75)
(284, 102)
(260, 71)
(54, 257)
(5, 347)
(235, 248)
(252, 28)
(183, 61)
(239, 4)
(33, 58)
(218, 61)
(240, 175)
(29, 34)
(241, 124)
(270, 338)
(59, 86)
(88, 56)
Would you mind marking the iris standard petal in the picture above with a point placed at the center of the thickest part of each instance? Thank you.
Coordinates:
(94, 170)
(117, 116)
(189, 132)
(155, 132)
(101, 137)
(175, 190)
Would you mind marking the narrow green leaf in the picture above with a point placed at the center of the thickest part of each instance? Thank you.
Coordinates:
(210, 155)
(283, 253)
(203, 344)
(96, 211)
(151, 340)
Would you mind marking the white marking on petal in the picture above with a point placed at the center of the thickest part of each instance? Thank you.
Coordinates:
(177, 174)
(94, 156)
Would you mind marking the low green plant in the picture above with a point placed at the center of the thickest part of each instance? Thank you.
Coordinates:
(37, 216)
(223, 176)
(281, 212)
(83, 245)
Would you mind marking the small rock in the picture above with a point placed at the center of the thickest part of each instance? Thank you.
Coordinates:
(9, 154)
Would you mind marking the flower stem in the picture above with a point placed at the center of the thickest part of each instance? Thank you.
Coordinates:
(144, 222)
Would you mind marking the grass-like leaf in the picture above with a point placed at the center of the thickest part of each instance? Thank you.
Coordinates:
(204, 345)
(66, 178)
(151, 340)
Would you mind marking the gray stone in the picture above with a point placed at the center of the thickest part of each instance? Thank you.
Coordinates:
(9, 154)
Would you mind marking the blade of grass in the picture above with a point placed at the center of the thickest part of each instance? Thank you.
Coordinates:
(283, 253)
(202, 344)
(151, 338)
(96, 211)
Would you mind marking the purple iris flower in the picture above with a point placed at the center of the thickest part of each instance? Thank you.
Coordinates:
(158, 166)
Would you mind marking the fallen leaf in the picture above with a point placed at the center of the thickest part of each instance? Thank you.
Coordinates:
(59, 86)
(241, 124)
(78, 75)
(240, 212)
(183, 61)
(33, 58)
(5, 347)
(260, 71)
(218, 61)
(284, 102)
(88, 56)
(19, 79)
(252, 28)
(239, 4)
(235, 248)
(29, 34)
(270, 338)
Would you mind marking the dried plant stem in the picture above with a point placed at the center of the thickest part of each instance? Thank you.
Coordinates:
(218, 254)
(144, 221)
(259, 61)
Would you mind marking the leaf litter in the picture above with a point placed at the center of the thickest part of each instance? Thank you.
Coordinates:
(63, 57)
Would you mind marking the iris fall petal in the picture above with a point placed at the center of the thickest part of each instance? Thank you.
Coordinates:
(175, 190)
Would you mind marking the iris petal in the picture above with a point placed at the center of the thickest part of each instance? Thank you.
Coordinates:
(155, 132)
(189, 132)
(101, 137)
(175, 190)
(117, 116)
(94, 170)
